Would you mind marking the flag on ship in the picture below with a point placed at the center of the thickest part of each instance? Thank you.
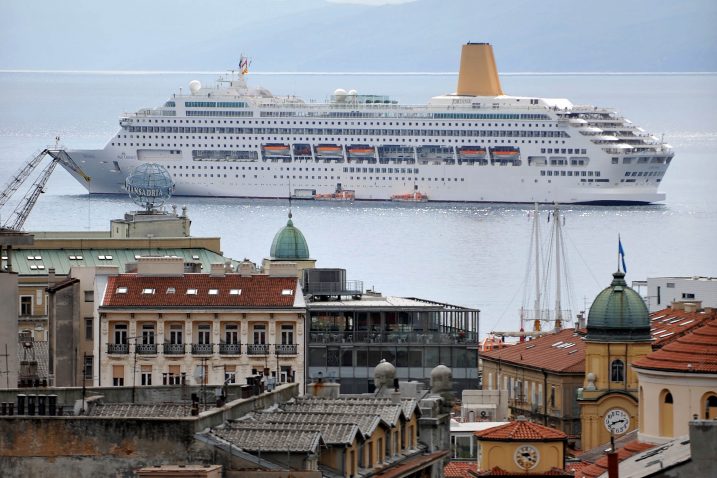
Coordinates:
(621, 254)
(243, 65)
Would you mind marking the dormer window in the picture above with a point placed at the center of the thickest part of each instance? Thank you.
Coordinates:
(235, 292)
(148, 291)
(287, 292)
(171, 290)
(191, 291)
(121, 290)
(213, 291)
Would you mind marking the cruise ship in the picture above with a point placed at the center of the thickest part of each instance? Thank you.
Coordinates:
(475, 145)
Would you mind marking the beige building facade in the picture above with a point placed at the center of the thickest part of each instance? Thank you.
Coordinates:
(164, 327)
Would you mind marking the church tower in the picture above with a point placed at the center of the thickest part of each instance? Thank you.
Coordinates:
(618, 333)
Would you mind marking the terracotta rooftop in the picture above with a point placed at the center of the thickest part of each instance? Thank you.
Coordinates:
(666, 325)
(694, 352)
(191, 290)
(600, 466)
(521, 430)
(459, 469)
(497, 471)
(562, 352)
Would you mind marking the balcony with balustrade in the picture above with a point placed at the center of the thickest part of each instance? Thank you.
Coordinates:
(202, 349)
(146, 349)
(257, 349)
(117, 349)
(173, 349)
(230, 349)
(286, 349)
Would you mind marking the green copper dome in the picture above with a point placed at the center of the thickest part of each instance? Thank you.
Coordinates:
(289, 244)
(618, 314)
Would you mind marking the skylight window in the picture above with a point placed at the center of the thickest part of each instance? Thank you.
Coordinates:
(79, 258)
(121, 290)
(40, 266)
(137, 256)
(72, 258)
(171, 290)
(38, 258)
(102, 258)
(109, 258)
(213, 291)
(33, 267)
(287, 292)
(235, 292)
(148, 291)
(30, 258)
(196, 258)
(191, 291)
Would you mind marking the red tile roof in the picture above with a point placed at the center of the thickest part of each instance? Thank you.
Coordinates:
(666, 325)
(600, 466)
(695, 352)
(459, 469)
(497, 471)
(255, 291)
(521, 430)
(555, 353)
(562, 352)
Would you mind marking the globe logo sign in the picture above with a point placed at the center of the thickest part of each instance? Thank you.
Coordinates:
(149, 185)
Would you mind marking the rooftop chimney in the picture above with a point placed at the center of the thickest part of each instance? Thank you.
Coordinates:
(478, 75)
(217, 270)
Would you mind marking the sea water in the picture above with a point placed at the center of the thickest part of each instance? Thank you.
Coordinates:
(474, 255)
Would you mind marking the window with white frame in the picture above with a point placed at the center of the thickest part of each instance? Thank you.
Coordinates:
(231, 333)
(259, 333)
(287, 334)
(204, 333)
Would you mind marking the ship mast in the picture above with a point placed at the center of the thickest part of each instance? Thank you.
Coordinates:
(558, 234)
(536, 232)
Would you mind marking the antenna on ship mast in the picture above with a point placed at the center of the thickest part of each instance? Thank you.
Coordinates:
(558, 310)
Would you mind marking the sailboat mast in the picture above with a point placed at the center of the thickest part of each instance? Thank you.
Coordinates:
(558, 233)
(536, 241)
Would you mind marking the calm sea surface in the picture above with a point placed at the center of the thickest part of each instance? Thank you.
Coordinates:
(471, 255)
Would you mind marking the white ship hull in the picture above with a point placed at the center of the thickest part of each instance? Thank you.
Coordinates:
(448, 183)
(233, 141)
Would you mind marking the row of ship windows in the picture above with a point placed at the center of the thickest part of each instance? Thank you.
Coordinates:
(563, 151)
(489, 133)
(337, 178)
(358, 123)
(569, 173)
(644, 173)
(386, 140)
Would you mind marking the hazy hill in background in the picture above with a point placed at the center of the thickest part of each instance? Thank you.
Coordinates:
(315, 35)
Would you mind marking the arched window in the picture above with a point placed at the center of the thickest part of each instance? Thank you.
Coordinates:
(666, 414)
(709, 406)
(617, 371)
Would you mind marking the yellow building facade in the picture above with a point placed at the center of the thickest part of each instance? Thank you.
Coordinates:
(618, 334)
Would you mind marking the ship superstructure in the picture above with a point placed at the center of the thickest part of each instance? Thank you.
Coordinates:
(476, 145)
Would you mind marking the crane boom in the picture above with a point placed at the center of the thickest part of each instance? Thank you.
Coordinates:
(22, 210)
(20, 176)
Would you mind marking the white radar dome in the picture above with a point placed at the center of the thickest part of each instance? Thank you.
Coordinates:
(340, 94)
(195, 86)
(353, 92)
